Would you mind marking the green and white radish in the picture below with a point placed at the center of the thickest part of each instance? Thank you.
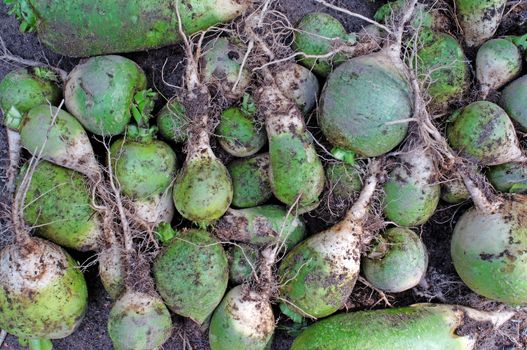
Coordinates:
(21, 90)
(498, 62)
(508, 177)
(318, 33)
(112, 269)
(298, 84)
(319, 274)
(221, 68)
(100, 91)
(238, 132)
(191, 274)
(483, 133)
(514, 103)
(261, 226)
(454, 191)
(397, 261)
(59, 207)
(411, 193)
(479, 19)
(415, 327)
(250, 181)
(172, 121)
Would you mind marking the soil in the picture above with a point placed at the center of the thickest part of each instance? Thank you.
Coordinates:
(442, 284)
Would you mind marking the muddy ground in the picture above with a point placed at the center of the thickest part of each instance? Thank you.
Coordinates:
(443, 284)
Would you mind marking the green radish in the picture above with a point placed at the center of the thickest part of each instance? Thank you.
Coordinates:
(298, 84)
(514, 103)
(498, 62)
(415, 327)
(422, 17)
(67, 143)
(488, 248)
(100, 91)
(59, 206)
(243, 261)
(238, 132)
(172, 122)
(261, 226)
(365, 104)
(250, 181)
(139, 321)
(508, 177)
(112, 270)
(454, 191)
(220, 68)
(411, 193)
(83, 28)
(442, 67)
(191, 274)
(319, 274)
(21, 90)
(479, 19)
(145, 169)
(318, 33)
(243, 320)
(343, 180)
(296, 172)
(483, 133)
(397, 261)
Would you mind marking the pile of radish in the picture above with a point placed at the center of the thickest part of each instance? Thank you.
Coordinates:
(290, 164)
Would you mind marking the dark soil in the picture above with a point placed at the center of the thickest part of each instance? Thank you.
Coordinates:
(444, 286)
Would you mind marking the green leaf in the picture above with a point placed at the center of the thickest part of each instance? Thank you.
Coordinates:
(164, 232)
(518, 188)
(40, 344)
(344, 155)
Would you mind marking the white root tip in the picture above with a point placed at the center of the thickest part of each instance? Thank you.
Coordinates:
(13, 140)
(497, 318)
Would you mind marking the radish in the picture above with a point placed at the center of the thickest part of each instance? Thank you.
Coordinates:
(59, 206)
(250, 181)
(220, 68)
(20, 91)
(298, 84)
(261, 226)
(483, 133)
(172, 122)
(344, 180)
(82, 28)
(508, 177)
(318, 33)
(454, 191)
(479, 19)
(191, 274)
(100, 93)
(513, 101)
(411, 193)
(416, 327)
(243, 259)
(112, 269)
(397, 261)
(238, 132)
(498, 62)
(318, 274)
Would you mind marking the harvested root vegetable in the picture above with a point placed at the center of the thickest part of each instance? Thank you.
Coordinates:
(261, 226)
(411, 193)
(220, 68)
(344, 180)
(139, 321)
(364, 105)
(112, 270)
(425, 326)
(243, 259)
(454, 191)
(514, 103)
(100, 91)
(172, 122)
(191, 274)
(508, 177)
(78, 29)
(488, 248)
(59, 206)
(498, 62)
(238, 132)
(483, 133)
(250, 181)
(479, 19)
(309, 271)
(298, 84)
(397, 261)
(318, 33)
(67, 143)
